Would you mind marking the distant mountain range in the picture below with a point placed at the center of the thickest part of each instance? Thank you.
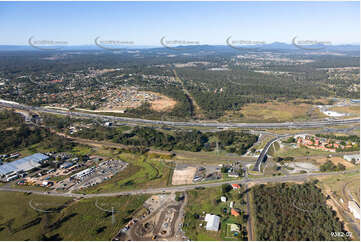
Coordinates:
(271, 46)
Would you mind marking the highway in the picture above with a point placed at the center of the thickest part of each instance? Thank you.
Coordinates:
(246, 180)
(309, 124)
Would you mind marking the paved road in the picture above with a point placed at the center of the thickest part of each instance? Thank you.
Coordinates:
(249, 222)
(310, 124)
(287, 178)
(262, 156)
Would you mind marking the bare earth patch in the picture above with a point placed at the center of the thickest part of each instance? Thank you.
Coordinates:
(163, 104)
(183, 175)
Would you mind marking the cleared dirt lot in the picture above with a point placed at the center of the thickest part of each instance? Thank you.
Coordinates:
(183, 174)
(164, 103)
(302, 166)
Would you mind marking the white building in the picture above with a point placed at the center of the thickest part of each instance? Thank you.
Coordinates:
(354, 208)
(108, 124)
(212, 222)
(223, 199)
(234, 228)
(83, 173)
(349, 158)
(231, 204)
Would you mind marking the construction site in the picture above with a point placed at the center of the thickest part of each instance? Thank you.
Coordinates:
(162, 221)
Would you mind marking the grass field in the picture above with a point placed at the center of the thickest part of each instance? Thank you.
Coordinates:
(299, 151)
(353, 110)
(140, 173)
(335, 184)
(201, 202)
(205, 158)
(78, 220)
(274, 112)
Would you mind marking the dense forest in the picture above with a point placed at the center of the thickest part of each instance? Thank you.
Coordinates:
(194, 140)
(17, 135)
(294, 212)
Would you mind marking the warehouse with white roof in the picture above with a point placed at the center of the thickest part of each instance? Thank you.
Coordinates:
(24, 164)
(212, 222)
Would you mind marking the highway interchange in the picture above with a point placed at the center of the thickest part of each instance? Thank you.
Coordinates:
(170, 189)
(257, 167)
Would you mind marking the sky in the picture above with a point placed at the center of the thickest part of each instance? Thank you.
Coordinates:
(145, 23)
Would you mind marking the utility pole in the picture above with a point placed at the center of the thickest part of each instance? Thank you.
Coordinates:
(217, 147)
(113, 218)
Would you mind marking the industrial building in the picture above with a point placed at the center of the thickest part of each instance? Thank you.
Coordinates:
(83, 173)
(22, 165)
(212, 222)
(66, 165)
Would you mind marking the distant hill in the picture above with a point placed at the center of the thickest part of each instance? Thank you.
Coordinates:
(196, 48)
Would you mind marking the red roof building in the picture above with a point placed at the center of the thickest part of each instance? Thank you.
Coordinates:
(234, 212)
(236, 186)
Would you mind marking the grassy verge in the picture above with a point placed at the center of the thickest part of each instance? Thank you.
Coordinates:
(76, 220)
(299, 151)
(140, 173)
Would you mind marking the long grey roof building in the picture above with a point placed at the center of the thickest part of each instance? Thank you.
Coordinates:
(24, 164)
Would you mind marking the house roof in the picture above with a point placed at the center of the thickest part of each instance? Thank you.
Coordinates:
(234, 212)
(236, 186)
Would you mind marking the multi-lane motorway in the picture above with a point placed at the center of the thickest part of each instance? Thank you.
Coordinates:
(309, 124)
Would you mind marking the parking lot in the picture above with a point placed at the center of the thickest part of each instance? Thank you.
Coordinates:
(97, 174)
